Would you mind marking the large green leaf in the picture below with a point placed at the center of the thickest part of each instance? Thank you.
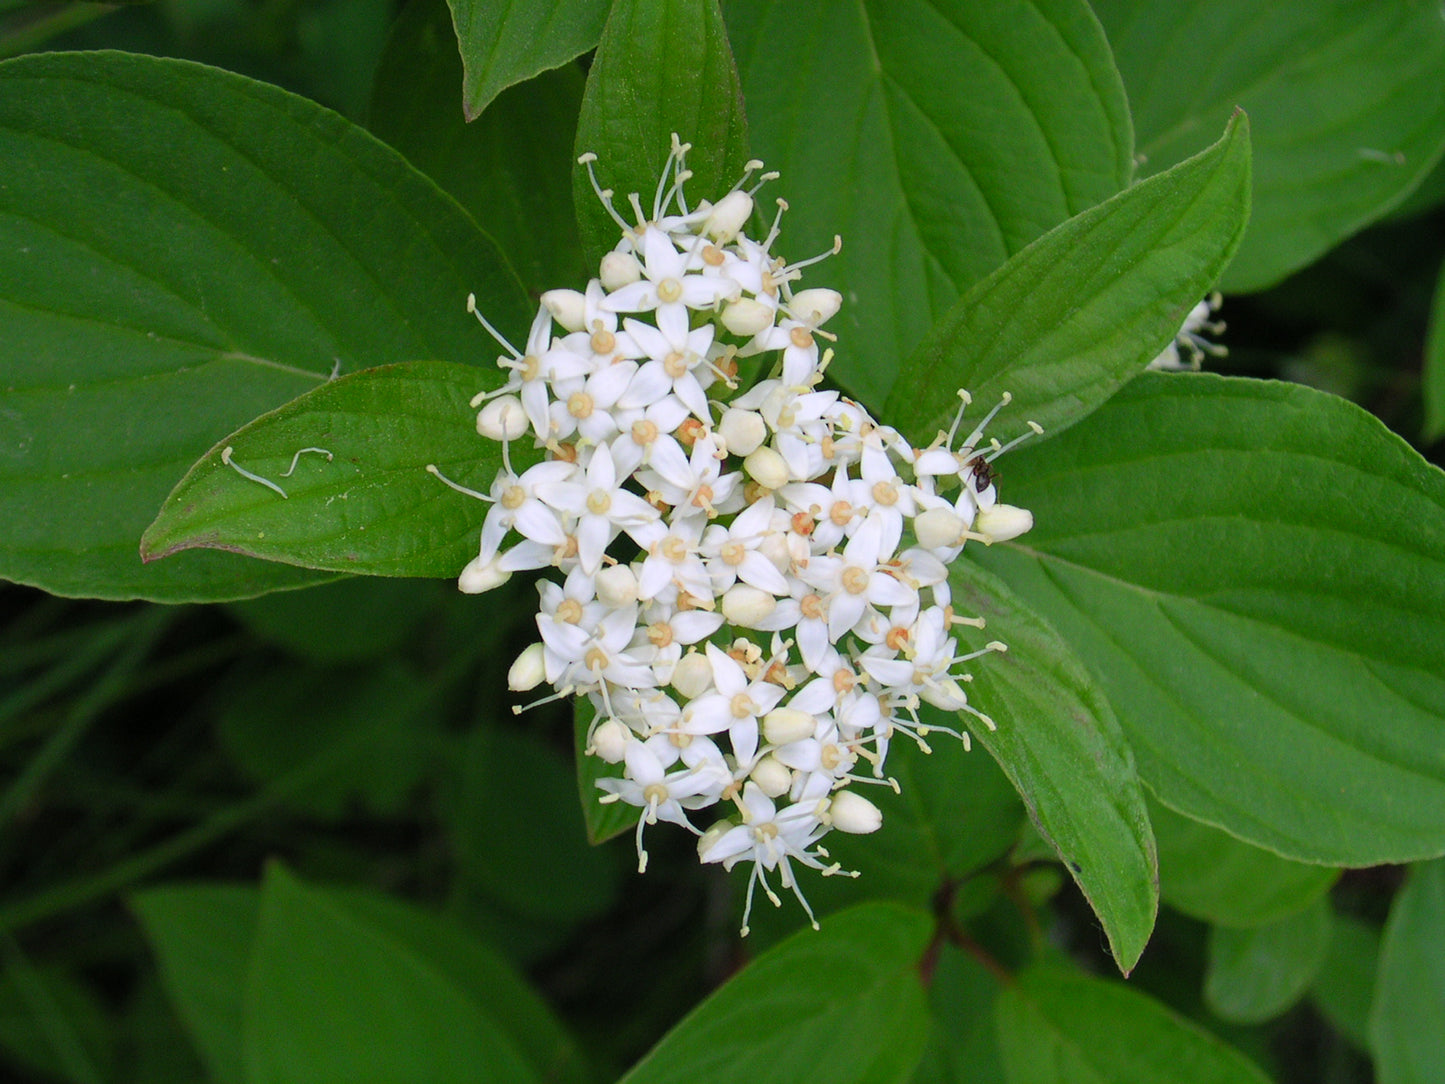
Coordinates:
(1254, 975)
(201, 935)
(1346, 98)
(662, 67)
(1405, 1033)
(333, 995)
(843, 1005)
(1058, 741)
(1062, 325)
(1256, 574)
(937, 137)
(1213, 876)
(1064, 1027)
(186, 249)
(368, 504)
(504, 42)
(511, 168)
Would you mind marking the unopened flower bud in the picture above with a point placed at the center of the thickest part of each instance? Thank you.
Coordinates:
(743, 430)
(772, 776)
(783, 726)
(618, 269)
(479, 576)
(609, 741)
(708, 840)
(728, 216)
(937, 528)
(768, 467)
(816, 306)
(853, 813)
(692, 676)
(568, 308)
(945, 695)
(502, 418)
(1002, 522)
(528, 671)
(746, 316)
(746, 606)
(616, 586)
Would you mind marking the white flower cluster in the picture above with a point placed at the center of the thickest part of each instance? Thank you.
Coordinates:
(1191, 341)
(755, 591)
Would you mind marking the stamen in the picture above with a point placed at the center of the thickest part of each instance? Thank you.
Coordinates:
(244, 473)
(1035, 430)
(292, 469)
(604, 195)
(431, 468)
(971, 441)
(472, 308)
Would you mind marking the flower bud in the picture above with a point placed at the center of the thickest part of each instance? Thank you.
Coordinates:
(479, 576)
(783, 726)
(938, 528)
(692, 676)
(1002, 522)
(528, 671)
(502, 418)
(772, 776)
(616, 586)
(853, 813)
(816, 306)
(742, 430)
(609, 741)
(618, 269)
(946, 695)
(767, 467)
(747, 316)
(568, 308)
(709, 839)
(728, 216)
(746, 606)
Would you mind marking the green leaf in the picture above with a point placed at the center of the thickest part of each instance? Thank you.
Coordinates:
(840, 1005)
(187, 249)
(201, 935)
(1254, 975)
(1213, 876)
(1433, 373)
(511, 831)
(1344, 988)
(1065, 323)
(52, 1023)
(961, 993)
(937, 137)
(1408, 1044)
(504, 43)
(333, 995)
(1058, 741)
(1256, 574)
(1064, 1027)
(511, 169)
(365, 501)
(1346, 100)
(663, 66)
(476, 969)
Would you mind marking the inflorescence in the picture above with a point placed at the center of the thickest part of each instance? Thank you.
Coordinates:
(754, 592)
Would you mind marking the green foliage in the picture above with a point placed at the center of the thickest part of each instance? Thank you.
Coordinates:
(674, 55)
(1057, 327)
(1185, 537)
(938, 139)
(1346, 101)
(1224, 685)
